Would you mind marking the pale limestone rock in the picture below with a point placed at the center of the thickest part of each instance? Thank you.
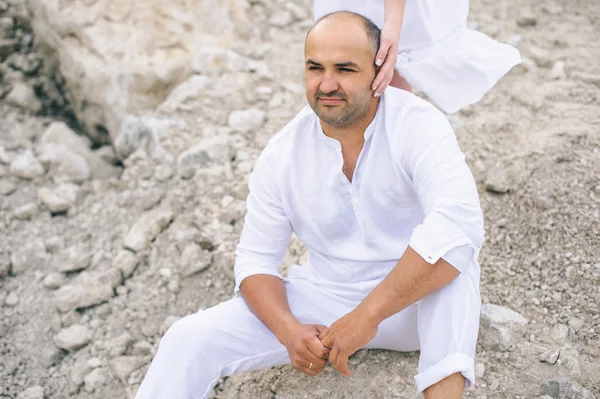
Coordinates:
(122, 57)
(22, 95)
(123, 366)
(144, 231)
(26, 211)
(71, 297)
(60, 199)
(125, 261)
(194, 259)
(501, 327)
(64, 164)
(59, 133)
(26, 166)
(36, 392)
(73, 337)
(246, 120)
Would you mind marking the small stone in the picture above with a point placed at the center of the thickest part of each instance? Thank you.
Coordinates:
(494, 384)
(22, 95)
(145, 230)
(94, 363)
(126, 261)
(73, 260)
(107, 154)
(496, 180)
(141, 348)
(247, 120)
(59, 133)
(560, 388)
(118, 345)
(163, 172)
(479, 370)
(26, 166)
(50, 356)
(73, 338)
(54, 280)
(71, 297)
(576, 323)
(7, 187)
(60, 199)
(95, 380)
(151, 198)
(134, 133)
(558, 71)
(64, 164)
(123, 366)
(541, 57)
(550, 356)
(11, 299)
(560, 332)
(190, 161)
(26, 211)
(281, 18)
(30, 256)
(500, 327)
(526, 19)
(53, 244)
(36, 392)
(194, 260)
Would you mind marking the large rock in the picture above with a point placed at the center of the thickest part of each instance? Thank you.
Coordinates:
(59, 133)
(121, 57)
(564, 388)
(501, 327)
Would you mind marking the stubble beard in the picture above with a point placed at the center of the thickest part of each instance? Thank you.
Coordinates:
(348, 116)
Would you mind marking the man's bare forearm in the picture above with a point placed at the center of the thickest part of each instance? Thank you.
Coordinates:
(265, 295)
(409, 281)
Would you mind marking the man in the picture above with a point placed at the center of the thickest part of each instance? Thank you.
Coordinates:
(379, 192)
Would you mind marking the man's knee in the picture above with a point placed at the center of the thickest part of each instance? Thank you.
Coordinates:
(191, 333)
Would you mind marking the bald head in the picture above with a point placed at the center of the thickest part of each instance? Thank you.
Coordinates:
(349, 19)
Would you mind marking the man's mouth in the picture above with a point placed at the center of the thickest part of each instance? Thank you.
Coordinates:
(330, 100)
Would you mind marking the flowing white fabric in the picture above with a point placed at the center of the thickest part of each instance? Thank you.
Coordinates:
(454, 66)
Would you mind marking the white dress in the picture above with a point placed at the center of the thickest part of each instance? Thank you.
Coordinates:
(454, 66)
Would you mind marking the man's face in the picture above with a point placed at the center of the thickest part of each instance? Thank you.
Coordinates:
(339, 71)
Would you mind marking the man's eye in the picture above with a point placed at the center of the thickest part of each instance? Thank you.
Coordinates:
(313, 68)
(347, 70)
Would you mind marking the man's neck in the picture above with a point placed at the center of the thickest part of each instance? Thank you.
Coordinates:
(352, 136)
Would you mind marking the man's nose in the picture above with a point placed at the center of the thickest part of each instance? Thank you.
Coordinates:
(329, 83)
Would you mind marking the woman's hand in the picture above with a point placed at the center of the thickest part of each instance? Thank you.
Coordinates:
(388, 45)
(386, 59)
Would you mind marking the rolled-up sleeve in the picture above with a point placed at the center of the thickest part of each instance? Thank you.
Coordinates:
(453, 225)
(267, 231)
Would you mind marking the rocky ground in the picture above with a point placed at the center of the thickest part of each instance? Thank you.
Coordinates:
(102, 248)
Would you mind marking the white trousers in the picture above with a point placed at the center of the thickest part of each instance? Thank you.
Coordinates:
(228, 338)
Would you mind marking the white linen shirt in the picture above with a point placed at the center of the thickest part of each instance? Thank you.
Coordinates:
(411, 186)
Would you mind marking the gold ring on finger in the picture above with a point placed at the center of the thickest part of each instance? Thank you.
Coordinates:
(310, 365)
